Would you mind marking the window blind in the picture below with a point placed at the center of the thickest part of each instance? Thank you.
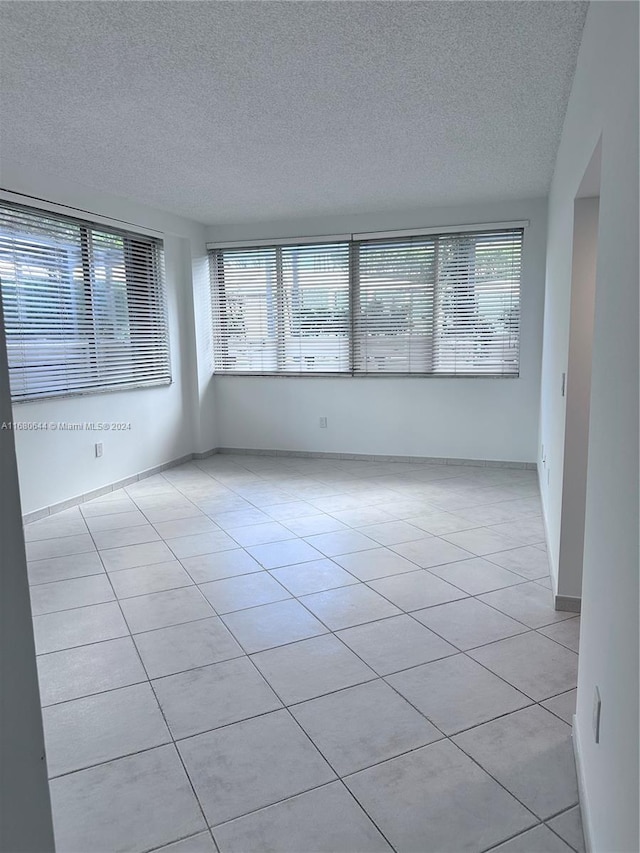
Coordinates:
(446, 305)
(84, 305)
(282, 309)
(434, 304)
(395, 286)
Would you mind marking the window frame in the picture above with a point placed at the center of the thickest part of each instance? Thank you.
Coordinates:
(156, 314)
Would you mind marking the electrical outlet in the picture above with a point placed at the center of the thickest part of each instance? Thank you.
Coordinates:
(323, 423)
(597, 707)
(98, 450)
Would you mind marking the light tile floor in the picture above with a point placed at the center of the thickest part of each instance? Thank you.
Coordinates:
(256, 653)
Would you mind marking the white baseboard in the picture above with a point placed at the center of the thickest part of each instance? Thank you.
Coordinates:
(582, 790)
(569, 603)
(378, 457)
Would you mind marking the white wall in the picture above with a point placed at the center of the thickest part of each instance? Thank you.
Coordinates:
(165, 421)
(468, 418)
(604, 101)
(25, 811)
(578, 398)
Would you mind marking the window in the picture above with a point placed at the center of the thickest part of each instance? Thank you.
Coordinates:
(282, 309)
(84, 307)
(439, 304)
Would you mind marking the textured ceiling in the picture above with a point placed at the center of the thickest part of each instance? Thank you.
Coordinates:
(238, 111)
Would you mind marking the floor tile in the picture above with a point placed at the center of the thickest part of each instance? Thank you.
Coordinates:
(277, 554)
(534, 664)
(340, 542)
(64, 568)
(431, 552)
(187, 646)
(162, 609)
(530, 753)
(529, 603)
(311, 668)
(363, 725)
(62, 546)
(99, 728)
(526, 531)
(252, 764)
(240, 518)
(104, 506)
(224, 564)
(56, 631)
(132, 556)
(536, 840)
(67, 523)
(393, 532)
(81, 671)
(567, 633)
(261, 534)
(563, 705)
(200, 843)
(417, 589)
(315, 576)
(239, 593)
(158, 514)
(300, 823)
(393, 644)
(64, 595)
(348, 606)
(186, 526)
(457, 693)
(133, 518)
(273, 625)
(410, 798)
(440, 523)
(476, 576)
(359, 517)
(201, 543)
(469, 623)
(118, 538)
(529, 561)
(128, 805)
(310, 525)
(377, 563)
(568, 825)
(213, 696)
(480, 541)
(147, 579)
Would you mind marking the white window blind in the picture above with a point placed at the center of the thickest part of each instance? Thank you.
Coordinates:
(84, 306)
(395, 284)
(438, 304)
(282, 309)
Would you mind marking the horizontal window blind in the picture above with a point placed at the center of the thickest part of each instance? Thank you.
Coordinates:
(445, 305)
(84, 306)
(438, 304)
(477, 315)
(282, 309)
(395, 286)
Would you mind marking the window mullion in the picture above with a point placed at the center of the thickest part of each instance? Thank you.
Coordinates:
(280, 313)
(89, 312)
(354, 300)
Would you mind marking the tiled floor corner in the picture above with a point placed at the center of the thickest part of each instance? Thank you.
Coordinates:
(251, 653)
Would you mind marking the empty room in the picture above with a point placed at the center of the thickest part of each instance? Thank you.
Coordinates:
(319, 426)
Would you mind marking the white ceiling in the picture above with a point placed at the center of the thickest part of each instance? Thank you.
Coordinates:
(229, 112)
